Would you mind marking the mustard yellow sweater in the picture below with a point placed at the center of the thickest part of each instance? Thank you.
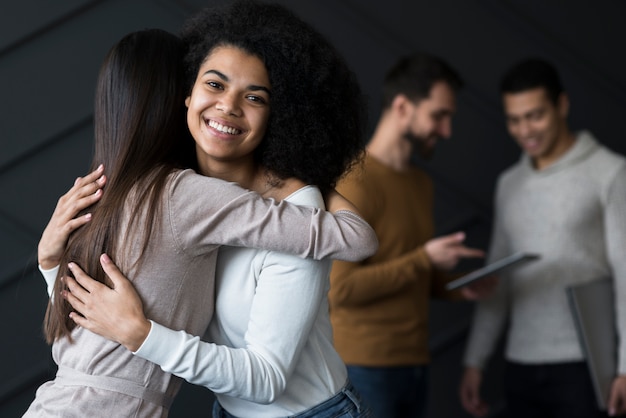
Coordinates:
(379, 307)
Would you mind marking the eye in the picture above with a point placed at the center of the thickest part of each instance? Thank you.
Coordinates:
(256, 99)
(441, 116)
(215, 85)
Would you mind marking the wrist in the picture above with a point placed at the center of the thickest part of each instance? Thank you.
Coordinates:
(46, 261)
(136, 334)
(47, 264)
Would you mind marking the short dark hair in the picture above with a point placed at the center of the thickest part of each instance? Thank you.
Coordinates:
(530, 74)
(316, 125)
(415, 75)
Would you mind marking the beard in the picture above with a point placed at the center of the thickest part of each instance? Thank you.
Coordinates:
(422, 147)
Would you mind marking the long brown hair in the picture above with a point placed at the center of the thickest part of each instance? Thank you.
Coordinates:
(140, 137)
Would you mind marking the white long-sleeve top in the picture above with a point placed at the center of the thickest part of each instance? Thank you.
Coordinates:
(573, 214)
(272, 353)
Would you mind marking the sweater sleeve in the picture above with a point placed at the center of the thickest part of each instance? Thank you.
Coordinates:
(490, 314)
(354, 284)
(204, 211)
(615, 225)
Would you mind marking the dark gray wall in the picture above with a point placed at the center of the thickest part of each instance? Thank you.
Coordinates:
(50, 53)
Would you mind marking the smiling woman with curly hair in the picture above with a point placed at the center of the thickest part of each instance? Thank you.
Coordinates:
(317, 119)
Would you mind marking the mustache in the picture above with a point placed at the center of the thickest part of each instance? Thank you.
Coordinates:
(422, 146)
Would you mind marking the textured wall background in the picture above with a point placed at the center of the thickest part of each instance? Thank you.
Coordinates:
(50, 53)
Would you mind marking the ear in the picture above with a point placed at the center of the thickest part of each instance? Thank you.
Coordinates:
(187, 100)
(402, 107)
(563, 105)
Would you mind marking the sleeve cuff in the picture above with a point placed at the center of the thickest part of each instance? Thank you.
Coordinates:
(162, 346)
(50, 277)
(423, 260)
(148, 343)
(166, 347)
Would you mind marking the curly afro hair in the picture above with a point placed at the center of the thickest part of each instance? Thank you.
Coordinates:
(317, 116)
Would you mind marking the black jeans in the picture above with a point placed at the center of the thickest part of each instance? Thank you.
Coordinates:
(561, 390)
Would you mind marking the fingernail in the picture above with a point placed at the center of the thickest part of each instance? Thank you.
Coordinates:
(105, 258)
(100, 167)
(71, 265)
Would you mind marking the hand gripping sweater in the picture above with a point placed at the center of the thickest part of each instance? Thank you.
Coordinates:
(573, 214)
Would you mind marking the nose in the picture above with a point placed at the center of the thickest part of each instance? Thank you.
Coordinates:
(229, 104)
(445, 129)
(523, 128)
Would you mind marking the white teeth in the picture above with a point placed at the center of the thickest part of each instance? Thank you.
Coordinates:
(222, 128)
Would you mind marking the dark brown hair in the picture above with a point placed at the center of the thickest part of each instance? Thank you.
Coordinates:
(415, 75)
(140, 137)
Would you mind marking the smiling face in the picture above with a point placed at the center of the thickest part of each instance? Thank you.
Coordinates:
(538, 125)
(228, 109)
(431, 119)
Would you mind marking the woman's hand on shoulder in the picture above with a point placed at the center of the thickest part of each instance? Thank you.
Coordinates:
(85, 192)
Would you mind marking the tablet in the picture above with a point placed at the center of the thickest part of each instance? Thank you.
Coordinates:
(490, 269)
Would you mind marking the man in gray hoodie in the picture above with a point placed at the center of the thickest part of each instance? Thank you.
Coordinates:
(565, 199)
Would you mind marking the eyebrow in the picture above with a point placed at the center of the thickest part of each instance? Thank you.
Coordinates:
(224, 77)
(525, 115)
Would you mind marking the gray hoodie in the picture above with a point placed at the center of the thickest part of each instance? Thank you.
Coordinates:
(573, 214)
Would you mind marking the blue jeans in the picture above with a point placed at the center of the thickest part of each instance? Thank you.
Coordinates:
(390, 392)
(345, 404)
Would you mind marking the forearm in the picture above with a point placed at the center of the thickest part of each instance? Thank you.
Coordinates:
(240, 373)
(356, 284)
(214, 218)
(487, 324)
